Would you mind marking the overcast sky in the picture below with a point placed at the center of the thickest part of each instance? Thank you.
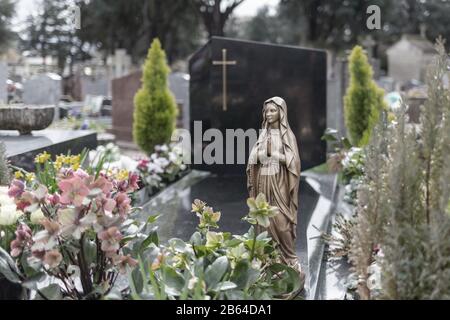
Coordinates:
(248, 8)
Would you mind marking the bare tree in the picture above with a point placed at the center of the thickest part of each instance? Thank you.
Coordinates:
(215, 14)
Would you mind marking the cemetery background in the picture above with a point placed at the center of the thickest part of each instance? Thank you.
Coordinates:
(94, 97)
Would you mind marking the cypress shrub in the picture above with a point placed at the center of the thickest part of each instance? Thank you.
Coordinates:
(155, 109)
(363, 101)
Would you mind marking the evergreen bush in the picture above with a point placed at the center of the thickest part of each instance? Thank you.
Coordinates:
(155, 107)
(363, 101)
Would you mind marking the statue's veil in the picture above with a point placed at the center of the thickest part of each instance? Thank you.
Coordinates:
(290, 149)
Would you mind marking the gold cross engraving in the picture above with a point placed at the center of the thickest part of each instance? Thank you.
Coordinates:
(224, 63)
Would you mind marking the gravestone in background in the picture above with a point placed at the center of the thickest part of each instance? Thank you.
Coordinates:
(3, 78)
(255, 72)
(123, 92)
(42, 89)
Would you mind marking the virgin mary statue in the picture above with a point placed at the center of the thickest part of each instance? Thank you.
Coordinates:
(274, 169)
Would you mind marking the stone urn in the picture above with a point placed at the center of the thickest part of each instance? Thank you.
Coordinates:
(26, 118)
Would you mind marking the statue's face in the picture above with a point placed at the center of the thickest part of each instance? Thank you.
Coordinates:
(272, 113)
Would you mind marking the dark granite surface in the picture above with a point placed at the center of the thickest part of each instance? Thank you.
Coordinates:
(261, 71)
(228, 194)
(21, 150)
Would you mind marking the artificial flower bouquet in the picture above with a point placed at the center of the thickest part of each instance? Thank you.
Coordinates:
(66, 227)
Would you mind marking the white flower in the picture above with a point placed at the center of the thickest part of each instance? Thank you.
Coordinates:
(162, 162)
(173, 157)
(155, 168)
(164, 148)
(37, 216)
(9, 214)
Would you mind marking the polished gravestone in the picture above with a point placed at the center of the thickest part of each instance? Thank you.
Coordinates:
(228, 194)
(21, 150)
(230, 80)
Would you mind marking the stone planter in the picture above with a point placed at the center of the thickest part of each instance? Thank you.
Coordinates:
(26, 118)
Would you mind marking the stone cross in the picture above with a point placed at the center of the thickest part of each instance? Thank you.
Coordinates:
(224, 63)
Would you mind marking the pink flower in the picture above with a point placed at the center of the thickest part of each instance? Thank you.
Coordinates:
(52, 258)
(16, 189)
(52, 227)
(143, 164)
(133, 181)
(80, 173)
(110, 240)
(103, 184)
(23, 239)
(73, 191)
(123, 203)
(107, 204)
(54, 199)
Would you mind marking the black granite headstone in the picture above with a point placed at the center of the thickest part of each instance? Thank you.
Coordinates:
(255, 72)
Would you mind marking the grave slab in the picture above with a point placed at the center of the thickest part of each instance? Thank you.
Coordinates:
(228, 194)
(21, 150)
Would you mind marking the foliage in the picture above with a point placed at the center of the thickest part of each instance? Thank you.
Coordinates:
(155, 107)
(132, 24)
(403, 201)
(339, 241)
(363, 101)
(4, 170)
(163, 166)
(215, 265)
(48, 34)
(70, 227)
(7, 10)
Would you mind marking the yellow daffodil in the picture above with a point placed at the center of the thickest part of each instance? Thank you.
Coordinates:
(30, 177)
(18, 175)
(42, 158)
(122, 175)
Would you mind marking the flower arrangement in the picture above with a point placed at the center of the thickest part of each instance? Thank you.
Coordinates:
(163, 166)
(71, 225)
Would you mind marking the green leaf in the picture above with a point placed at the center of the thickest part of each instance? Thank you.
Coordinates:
(151, 238)
(178, 244)
(51, 292)
(330, 135)
(290, 279)
(31, 282)
(244, 276)
(216, 271)
(346, 143)
(153, 218)
(137, 279)
(196, 239)
(90, 251)
(8, 268)
(174, 281)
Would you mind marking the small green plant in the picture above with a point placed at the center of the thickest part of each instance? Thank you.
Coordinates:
(215, 265)
(155, 107)
(363, 101)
